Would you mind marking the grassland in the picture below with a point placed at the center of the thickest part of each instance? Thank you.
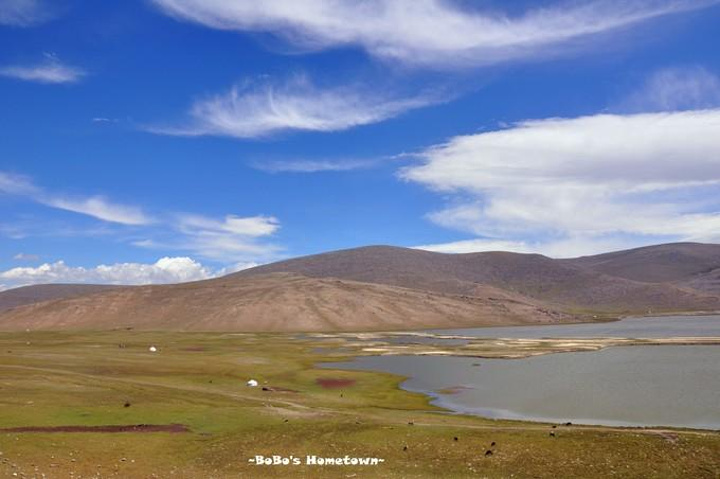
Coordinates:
(198, 380)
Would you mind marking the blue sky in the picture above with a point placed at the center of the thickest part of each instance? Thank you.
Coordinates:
(170, 140)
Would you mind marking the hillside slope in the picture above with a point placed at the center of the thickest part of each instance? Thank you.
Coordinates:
(277, 302)
(655, 264)
(13, 298)
(549, 280)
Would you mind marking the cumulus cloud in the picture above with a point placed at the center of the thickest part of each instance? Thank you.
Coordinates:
(255, 110)
(23, 13)
(429, 33)
(51, 70)
(677, 88)
(163, 271)
(594, 178)
(96, 206)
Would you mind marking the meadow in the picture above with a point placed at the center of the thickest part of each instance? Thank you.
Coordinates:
(100, 404)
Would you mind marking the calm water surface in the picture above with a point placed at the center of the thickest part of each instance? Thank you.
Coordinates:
(620, 386)
(663, 327)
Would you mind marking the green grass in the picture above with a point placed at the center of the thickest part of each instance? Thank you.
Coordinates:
(85, 379)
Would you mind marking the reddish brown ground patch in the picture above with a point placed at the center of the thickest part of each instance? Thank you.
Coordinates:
(334, 383)
(175, 428)
(279, 389)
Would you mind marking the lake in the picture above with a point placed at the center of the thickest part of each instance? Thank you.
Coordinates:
(620, 386)
(660, 327)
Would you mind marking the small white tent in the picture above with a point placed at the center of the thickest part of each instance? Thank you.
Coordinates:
(152, 349)
(252, 383)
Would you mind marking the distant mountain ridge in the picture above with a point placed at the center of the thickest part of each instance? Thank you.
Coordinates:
(386, 287)
(575, 284)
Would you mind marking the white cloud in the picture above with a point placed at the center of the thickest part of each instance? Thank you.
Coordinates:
(252, 226)
(23, 13)
(313, 166)
(610, 178)
(100, 208)
(570, 247)
(26, 257)
(13, 184)
(263, 109)
(477, 245)
(165, 270)
(233, 238)
(687, 88)
(96, 206)
(238, 239)
(49, 71)
(432, 33)
(243, 240)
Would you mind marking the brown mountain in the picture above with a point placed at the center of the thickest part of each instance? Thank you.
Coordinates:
(656, 264)
(385, 288)
(13, 298)
(278, 302)
(562, 283)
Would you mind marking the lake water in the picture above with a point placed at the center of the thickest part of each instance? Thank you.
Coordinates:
(621, 386)
(661, 327)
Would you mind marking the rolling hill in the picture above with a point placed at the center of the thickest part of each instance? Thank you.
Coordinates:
(13, 298)
(389, 288)
(557, 282)
(655, 264)
(277, 302)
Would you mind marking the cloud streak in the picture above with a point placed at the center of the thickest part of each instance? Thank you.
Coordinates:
(96, 206)
(232, 238)
(426, 33)
(23, 13)
(678, 88)
(313, 166)
(51, 71)
(261, 109)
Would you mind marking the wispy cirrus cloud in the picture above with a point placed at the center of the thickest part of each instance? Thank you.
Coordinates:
(243, 240)
(23, 13)
(313, 166)
(51, 71)
(26, 257)
(428, 33)
(594, 180)
(231, 239)
(676, 88)
(95, 206)
(100, 208)
(263, 108)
